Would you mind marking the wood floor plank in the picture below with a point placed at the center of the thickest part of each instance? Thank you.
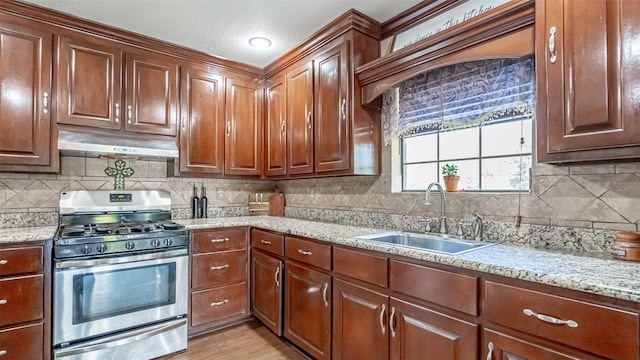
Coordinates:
(250, 340)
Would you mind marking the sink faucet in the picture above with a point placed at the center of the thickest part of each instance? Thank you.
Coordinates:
(477, 227)
(443, 218)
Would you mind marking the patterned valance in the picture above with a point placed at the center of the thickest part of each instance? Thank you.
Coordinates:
(460, 95)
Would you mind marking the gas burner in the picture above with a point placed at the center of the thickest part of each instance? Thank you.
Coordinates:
(170, 225)
(102, 229)
(75, 230)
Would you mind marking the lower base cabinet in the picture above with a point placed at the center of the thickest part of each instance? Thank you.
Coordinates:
(499, 346)
(266, 290)
(307, 319)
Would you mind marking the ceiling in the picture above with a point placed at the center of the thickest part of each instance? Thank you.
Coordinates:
(223, 27)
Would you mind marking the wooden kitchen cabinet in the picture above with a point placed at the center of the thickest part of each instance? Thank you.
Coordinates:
(275, 145)
(588, 76)
(202, 116)
(26, 142)
(219, 289)
(266, 290)
(501, 346)
(300, 119)
(243, 142)
(92, 91)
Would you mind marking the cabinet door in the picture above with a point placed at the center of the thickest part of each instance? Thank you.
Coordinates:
(266, 290)
(360, 326)
(307, 310)
(332, 110)
(25, 95)
(89, 83)
(202, 129)
(300, 119)
(151, 94)
(503, 347)
(243, 145)
(420, 333)
(587, 79)
(275, 128)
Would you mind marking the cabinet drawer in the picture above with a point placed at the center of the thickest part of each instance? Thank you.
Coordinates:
(20, 260)
(219, 303)
(601, 330)
(219, 240)
(370, 268)
(23, 342)
(267, 241)
(308, 252)
(455, 291)
(21, 299)
(215, 269)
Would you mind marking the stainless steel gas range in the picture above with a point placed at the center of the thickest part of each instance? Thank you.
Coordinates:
(120, 282)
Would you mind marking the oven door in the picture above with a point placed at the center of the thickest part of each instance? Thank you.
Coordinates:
(101, 296)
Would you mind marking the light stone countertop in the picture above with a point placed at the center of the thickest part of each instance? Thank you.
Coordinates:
(582, 272)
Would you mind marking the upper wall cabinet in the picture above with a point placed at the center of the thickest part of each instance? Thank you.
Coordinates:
(91, 90)
(25, 97)
(588, 80)
(275, 127)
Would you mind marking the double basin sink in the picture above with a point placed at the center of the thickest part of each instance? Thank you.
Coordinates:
(437, 243)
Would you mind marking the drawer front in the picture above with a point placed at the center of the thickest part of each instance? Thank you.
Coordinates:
(23, 342)
(601, 330)
(308, 252)
(20, 260)
(370, 268)
(455, 291)
(21, 299)
(219, 240)
(215, 269)
(267, 241)
(219, 303)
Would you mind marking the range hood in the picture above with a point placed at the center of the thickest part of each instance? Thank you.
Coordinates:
(96, 145)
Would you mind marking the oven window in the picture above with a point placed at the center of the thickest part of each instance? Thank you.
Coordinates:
(106, 294)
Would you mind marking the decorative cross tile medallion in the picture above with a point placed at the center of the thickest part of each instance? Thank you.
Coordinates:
(119, 173)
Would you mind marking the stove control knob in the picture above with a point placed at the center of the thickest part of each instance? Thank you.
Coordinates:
(155, 242)
(129, 245)
(168, 242)
(85, 249)
(101, 248)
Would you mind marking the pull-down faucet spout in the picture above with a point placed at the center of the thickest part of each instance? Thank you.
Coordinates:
(443, 217)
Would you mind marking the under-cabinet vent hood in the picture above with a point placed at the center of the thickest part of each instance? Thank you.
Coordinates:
(95, 145)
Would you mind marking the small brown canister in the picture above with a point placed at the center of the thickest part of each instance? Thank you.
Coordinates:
(626, 246)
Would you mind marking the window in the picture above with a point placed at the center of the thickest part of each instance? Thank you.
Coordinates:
(490, 157)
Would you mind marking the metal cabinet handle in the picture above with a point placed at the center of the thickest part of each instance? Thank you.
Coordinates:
(490, 353)
(304, 252)
(3, 262)
(220, 267)
(228, 128)
(3, 352)
(552, 44)
(382, 327)
(277, 277)
(265, 242)
(218, 303)
(550, 319)
(45, 102)
(343, 109)
(184, 122)
(324, 295)
(3, 301)
(391, 321)
(309, 120)
(117, 111)
(219, 240)
(129, 114)
(283, 128)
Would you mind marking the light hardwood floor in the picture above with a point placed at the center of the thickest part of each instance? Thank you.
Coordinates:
(247, 341)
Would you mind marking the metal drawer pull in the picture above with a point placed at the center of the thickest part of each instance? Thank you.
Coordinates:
(220, 267)
(490, 353)
(384, 329)
(343, 109)
(277, 278)
(304, 252)
(129, 113)
(218, 303)
(324, 295)
(265, 242)
(550, 319)
(3, 262)
(45, 102)
(219, 240)
(3, 352)
(309, 120)
(552, 44)
(3, 301)
(391, 320)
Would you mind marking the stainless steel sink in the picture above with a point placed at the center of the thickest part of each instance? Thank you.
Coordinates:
(439, 243)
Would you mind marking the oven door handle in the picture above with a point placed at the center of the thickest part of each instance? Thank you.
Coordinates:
(67, 264)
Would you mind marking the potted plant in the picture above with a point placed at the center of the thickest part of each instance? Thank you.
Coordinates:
(451, 178)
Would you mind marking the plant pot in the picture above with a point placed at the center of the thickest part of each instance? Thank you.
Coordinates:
(451, 183)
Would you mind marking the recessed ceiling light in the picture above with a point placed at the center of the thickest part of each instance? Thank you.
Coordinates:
(260, 42)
